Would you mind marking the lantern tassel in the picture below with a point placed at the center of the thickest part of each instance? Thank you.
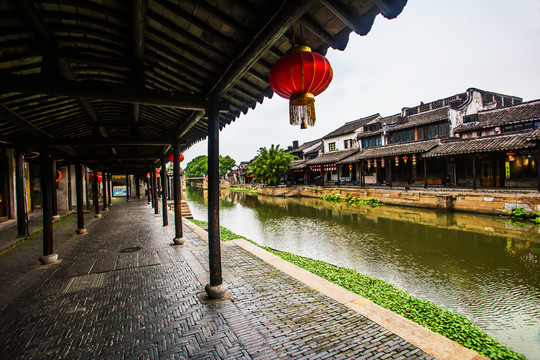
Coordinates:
(302, 110)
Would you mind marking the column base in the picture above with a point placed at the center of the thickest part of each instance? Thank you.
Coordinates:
(179, 241)
(81, 231)
(105, 209)
(97, 216)
(48, 259)
(216, 291)
(55, 217)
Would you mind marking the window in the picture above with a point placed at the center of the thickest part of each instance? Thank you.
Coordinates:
(372, 141)
(347, 144)
(332, 146)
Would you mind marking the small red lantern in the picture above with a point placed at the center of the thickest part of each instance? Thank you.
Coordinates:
(375, 163)
(405, 158)
(510, 153)
(350, 167)
(397, 161)
(171, 158)
(148, 175)
(300, 76)
(414, 159)
(382, 163)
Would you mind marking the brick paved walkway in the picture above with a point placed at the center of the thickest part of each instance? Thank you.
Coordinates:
(122, 291)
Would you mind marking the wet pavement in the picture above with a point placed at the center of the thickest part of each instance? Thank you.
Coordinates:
(123, 291)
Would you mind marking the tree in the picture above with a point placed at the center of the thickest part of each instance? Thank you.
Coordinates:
(271, 164)
(199, 165)
(225, 164)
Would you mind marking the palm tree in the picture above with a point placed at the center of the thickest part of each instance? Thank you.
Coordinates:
(271, 164)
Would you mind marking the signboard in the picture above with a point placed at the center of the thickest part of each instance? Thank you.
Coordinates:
(507, 169)
(120, 191)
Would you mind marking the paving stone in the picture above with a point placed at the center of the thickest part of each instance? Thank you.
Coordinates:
(122, 291)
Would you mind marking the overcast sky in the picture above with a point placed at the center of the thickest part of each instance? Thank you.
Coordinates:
(434, 49)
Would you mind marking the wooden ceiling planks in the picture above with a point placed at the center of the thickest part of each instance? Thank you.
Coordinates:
(146, 68)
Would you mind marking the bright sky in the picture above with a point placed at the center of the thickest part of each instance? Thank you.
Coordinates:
(432, 50)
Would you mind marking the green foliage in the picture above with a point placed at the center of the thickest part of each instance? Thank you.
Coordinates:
(236, 189)
(199, 166)
(225, 164)
(224, 233)
(270, 165)
(520, 213)
(352, 200)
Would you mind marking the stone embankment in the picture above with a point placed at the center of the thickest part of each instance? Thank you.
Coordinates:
(487, 202)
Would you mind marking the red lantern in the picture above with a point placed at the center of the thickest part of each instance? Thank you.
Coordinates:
(148, 175)
(300, 76)
(405, 158)
(350, 167)
(510, 153)
(171, 158)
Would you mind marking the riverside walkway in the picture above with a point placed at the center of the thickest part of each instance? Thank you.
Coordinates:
(123, 291)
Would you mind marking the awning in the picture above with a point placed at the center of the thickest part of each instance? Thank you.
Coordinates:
(417, 147)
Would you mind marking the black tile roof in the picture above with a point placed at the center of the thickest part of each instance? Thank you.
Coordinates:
(482, 144)
(332, 157)
(502, 116)
(426, 117)
(352, 126)
(417, 147)
(297, 164)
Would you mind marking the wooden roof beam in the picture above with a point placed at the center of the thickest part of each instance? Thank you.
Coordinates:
(111, 141)
(262, 40)
(30, 84)
(138, 24)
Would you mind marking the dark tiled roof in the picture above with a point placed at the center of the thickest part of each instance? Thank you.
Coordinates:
(369, 134)
(423, 118)
(502, 116)
(314, 148)
(535, 135)
(332, 157)
(297, 164)
(352, 126)
(482, 144)
(417, 147)
(307, 145)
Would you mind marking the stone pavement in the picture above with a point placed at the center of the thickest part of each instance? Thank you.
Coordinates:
(122, 291)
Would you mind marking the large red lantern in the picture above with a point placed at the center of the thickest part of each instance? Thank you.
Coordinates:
(171, 158)
(300, 76)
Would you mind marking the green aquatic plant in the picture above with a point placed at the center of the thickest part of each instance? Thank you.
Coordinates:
(352, 200)
(520, 213)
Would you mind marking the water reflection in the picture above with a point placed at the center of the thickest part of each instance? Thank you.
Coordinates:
(479, 266)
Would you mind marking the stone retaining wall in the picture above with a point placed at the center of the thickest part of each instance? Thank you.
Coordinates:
(480, 202)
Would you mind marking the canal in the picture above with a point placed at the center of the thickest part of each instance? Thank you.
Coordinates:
(479, 266)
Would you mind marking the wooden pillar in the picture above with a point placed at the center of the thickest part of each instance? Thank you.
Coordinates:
(164, 191)
(69, 193)
(104, 185)
(425, 172)
(154, 191)
(109, 185)
(362, 175)
(79, 194)
(137, 186)
(148, 191)
(537, 163)
(128, 185)
(494, 170)
(474, 172)
(338, 168)
(46, 190)
(54, 200)
(177, 187)
(216, 288)
(20, 193)
(88, 193)
(95, 191)
(390, 168)
(445, 170)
